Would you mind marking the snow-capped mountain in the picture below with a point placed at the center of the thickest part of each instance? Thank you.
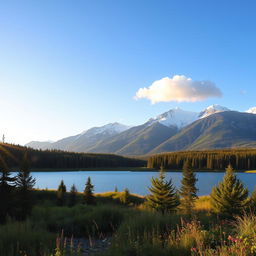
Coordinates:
(111, 129)
(175, 117)
(83, 141)
(181, 118)
(251, 110)
(212, 110)
(162, 130)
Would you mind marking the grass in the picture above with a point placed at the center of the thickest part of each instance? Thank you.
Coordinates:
(203, 204)
(135, 230)
(251, 171)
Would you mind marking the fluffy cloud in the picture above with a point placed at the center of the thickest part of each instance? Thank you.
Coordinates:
(180, 89)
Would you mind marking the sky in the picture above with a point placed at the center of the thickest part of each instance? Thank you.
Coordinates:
(66, 66)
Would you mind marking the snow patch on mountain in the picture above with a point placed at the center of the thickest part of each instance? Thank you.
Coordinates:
(212, 110)
(251, 110)
(175, 117)
(111, 129)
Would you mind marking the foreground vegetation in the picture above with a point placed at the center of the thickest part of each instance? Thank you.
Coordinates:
(134, 229)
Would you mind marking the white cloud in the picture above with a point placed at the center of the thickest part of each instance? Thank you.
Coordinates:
(178, 88)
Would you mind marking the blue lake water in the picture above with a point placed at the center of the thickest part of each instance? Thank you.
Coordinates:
(136, 182)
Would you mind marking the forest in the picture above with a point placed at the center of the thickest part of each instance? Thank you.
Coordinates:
(240, 159)
(63, 160)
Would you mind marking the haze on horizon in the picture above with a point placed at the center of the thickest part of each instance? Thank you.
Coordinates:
(66, 67)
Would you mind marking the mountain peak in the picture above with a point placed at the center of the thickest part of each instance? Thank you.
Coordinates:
(111, 128)
(175, 117)
(212, 109)
(251, 110)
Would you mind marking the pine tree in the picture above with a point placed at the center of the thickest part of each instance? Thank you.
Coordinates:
(73, 196)
(116, 189)
(7, 186)
(125, 197)
(188, 189)
(164, 197)
(229, 197)
(88, 193)
(253, 199)
(61, 194)
(24, 183)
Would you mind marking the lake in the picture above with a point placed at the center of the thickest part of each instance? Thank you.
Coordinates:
(136, 182)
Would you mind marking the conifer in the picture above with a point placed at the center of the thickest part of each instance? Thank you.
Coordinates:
(61, 194)
(229, 197)
(73, 196)
(88, 196)
(163, 197)
(24, 183)
(188, 189)
(125, 197)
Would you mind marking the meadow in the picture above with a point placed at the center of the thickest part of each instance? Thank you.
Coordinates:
(113, 227)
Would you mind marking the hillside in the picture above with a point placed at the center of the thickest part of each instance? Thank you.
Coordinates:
(222, 130)
(13, 154)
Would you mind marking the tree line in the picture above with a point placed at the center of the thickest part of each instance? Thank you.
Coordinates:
(240, 159)
(228, 198)
(63, 159)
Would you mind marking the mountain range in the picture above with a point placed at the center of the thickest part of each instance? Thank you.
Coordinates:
(174, 130)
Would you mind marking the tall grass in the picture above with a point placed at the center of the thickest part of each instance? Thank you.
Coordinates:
(25, 238)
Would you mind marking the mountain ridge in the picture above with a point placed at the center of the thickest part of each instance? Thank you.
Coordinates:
(151, 136)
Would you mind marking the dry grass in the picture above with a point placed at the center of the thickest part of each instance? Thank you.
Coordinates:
(203, 204)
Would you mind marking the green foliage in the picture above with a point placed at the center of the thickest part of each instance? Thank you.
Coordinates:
(229, 197)
(188, 189)
(73, 196)
(61, 194)
(88, 193)
(25, 238)
(163, 197)
(81, 220)
(253, 199)
(66, 160)
(240, 159)
(24, 184)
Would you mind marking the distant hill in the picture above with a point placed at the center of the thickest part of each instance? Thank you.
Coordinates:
(13, 154)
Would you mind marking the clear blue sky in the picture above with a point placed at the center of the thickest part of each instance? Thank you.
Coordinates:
(66, 66)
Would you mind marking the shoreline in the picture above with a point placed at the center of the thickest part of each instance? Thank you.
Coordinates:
(131, 169)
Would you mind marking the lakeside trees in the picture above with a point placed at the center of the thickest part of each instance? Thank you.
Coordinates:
(240, 159)
(63, 159)
(61, 194)
(88, 197)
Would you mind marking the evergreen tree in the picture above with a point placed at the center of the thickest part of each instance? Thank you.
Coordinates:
(24, 183)
(229, 197)
(188, 189)
(125, 197)
(7, 186)
(116, 189)
(164, 197)
(88, 192)
(253, 199)
(73, 196)
(61, 194)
